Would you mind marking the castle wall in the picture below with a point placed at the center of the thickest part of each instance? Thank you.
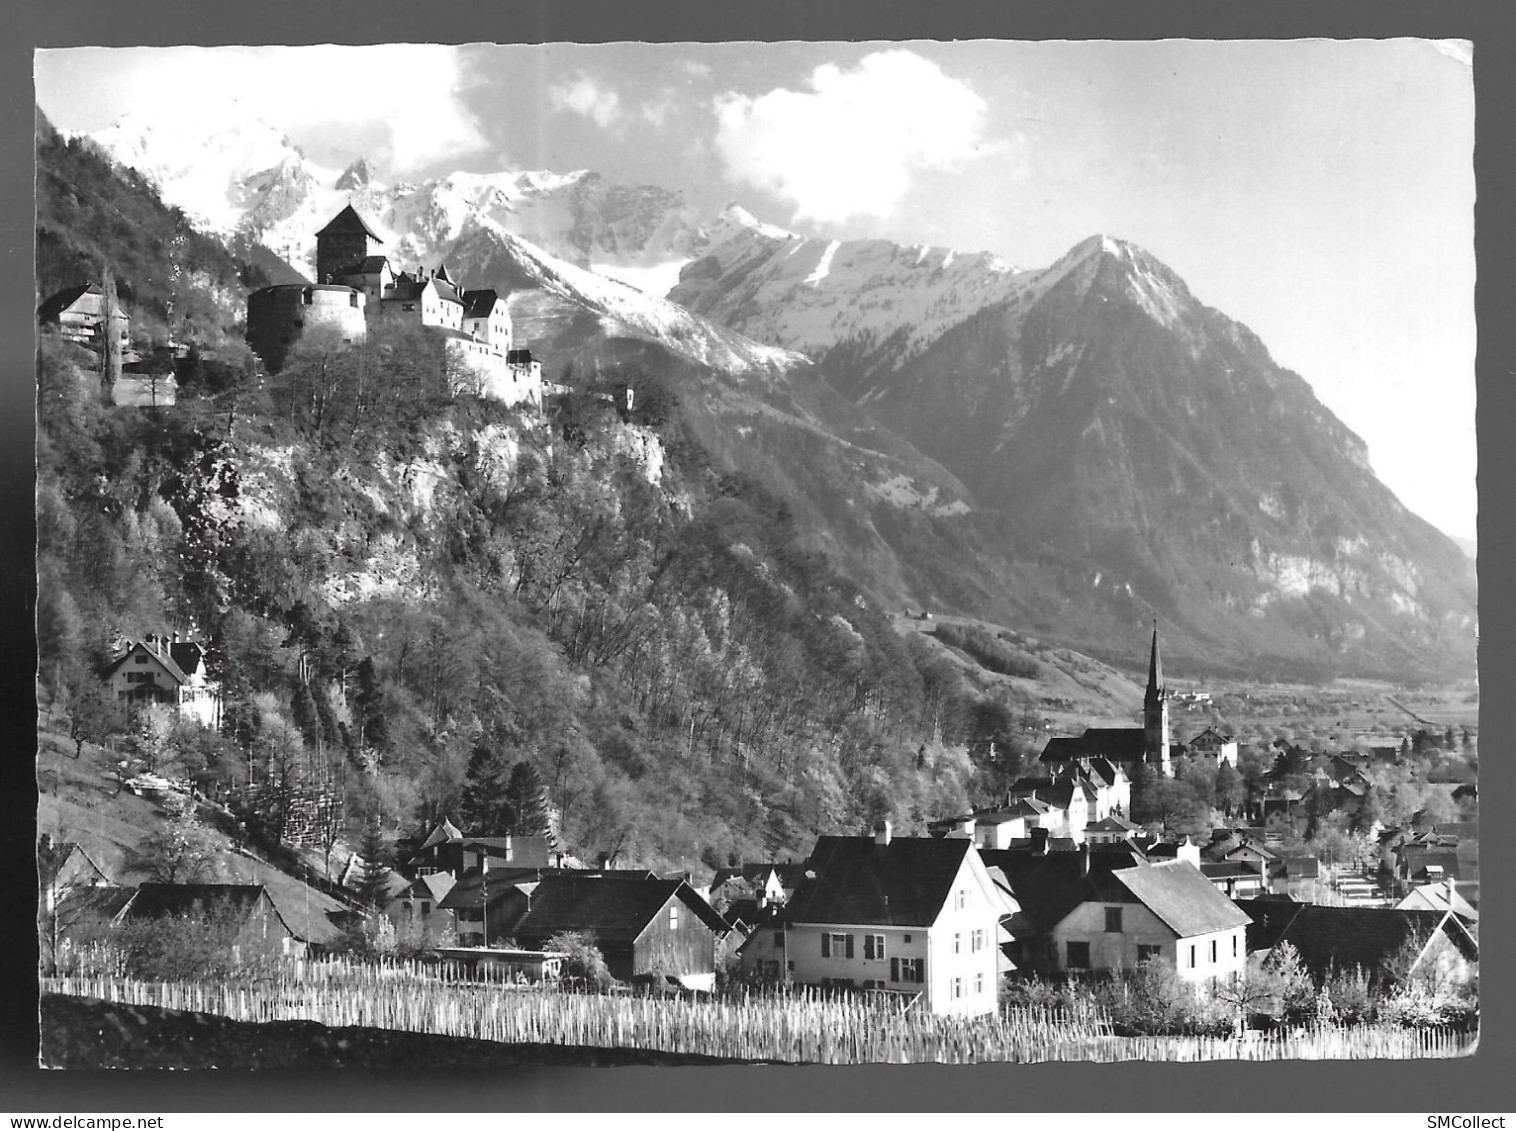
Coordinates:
(277, 316)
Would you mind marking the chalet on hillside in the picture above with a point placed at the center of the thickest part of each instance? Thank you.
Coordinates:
(170, 671)
(79, 313)
(447, 849)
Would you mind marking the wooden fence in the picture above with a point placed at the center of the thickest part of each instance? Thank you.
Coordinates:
(800, 1026)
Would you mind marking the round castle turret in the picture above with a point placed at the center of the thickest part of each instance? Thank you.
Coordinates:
(278, 315)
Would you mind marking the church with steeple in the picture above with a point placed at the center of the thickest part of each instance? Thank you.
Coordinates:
(1151, 743)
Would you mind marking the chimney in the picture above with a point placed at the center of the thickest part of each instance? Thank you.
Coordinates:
(882, 833)
(1039, 841)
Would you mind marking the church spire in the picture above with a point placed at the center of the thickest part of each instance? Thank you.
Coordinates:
(1155, 712)
(1155, 664)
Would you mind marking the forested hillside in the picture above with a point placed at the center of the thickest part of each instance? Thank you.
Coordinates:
(412, 594)
(90, 213)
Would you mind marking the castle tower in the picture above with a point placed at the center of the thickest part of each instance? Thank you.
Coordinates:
(1155, 713)
(344, 242)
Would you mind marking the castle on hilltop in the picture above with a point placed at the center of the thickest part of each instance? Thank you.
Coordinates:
(356, 289)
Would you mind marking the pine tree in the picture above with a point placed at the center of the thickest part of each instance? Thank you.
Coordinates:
(484, 809)
(526, 803)
(372, 883)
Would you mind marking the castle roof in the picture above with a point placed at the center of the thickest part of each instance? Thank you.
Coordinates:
(478, 304)
(348, 220)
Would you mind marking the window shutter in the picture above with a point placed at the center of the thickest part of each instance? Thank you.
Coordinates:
(826, 945)
(894, 969)
(850, 946)
(921, 970)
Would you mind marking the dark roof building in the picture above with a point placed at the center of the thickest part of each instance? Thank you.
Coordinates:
(857, 880)
(1371, 939)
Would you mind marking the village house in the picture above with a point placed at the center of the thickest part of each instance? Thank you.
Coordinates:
(80, 315)
(1438, 897)
(254, 927)
(1166, 910)
(766, 884)
(642, 927)
(908, 914)
(1387, 944)
(170, 671)
(1212, 744)
(63, 868)
(446, 849)
(1102, 910)
(416, 910)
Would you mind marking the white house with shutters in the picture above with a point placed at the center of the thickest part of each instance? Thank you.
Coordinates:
(919, 916)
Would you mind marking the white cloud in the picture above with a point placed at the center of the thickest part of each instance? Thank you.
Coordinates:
(849, 145)
(657, 111)
(406, 95)
(583, 95)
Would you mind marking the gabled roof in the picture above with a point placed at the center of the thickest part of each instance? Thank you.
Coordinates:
(1112, 823)
(156, 900)
(1301, 867)
(446, 831)
(1048, 887)
(407, 288)
(1415, 858)
(478, 304)
(57, 303)
(50, 862)
(348, 220)
(608, 907)
(1182, 897)
(1347, 937)
(165, 660)
(903, 883)
(475, 886)
(1435, 897)
(1117, 744)
(433, 885)
(102, 903)
(368, 265)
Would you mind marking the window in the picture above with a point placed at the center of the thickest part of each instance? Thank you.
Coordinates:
(978, 984)
(1148, 952)
(1213, 950)
(908, 970)
(977, 941)
(873, 946)
(907, 938)
(1113, 920)
(779, 938)
(674, 917)
(1079, 956)
(834, 944)
(960, 899)
(1192, 956)
(426, 908)
(957, 987)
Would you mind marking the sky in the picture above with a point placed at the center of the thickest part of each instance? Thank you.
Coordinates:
(1320, 192)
